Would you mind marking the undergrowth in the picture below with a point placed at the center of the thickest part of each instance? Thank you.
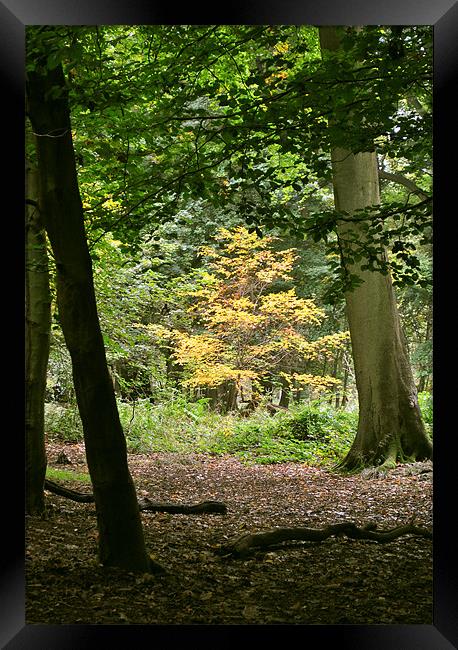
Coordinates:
(425, 402)
(313, 433)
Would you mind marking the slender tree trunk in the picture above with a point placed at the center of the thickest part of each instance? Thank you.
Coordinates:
(38, 323)
(212, 395)
(335, 369)
(285, 394)
(121, 541)
(424, 378)
(344, 398)
(390, 427)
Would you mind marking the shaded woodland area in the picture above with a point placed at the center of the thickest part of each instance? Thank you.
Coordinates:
(229, 324)
(337, 581)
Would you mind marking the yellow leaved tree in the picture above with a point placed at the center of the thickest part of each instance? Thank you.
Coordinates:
(248, 332)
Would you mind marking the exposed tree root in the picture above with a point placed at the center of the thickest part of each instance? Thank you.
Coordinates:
(55, 488)
(357, 460)
(252, 541)
(215, 507)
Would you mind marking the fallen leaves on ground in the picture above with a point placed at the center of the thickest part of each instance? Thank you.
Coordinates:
(336, 581)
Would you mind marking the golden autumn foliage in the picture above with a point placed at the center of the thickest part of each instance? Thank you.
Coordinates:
(244, 327)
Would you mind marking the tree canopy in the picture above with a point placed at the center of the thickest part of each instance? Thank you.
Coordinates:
(238, 117)
(181, 130)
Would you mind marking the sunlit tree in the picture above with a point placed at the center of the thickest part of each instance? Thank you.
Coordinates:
(250, 329)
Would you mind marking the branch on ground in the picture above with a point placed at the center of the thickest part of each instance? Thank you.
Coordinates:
(246, 543)
(215, 507)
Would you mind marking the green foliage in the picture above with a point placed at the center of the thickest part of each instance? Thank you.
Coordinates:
(59, 381)
(309, 424)
(415, 306)
(55, 474)
(241, 117)
(425, 402)
(176, 425)
(315, 433)
(63, 422)
(310, 434)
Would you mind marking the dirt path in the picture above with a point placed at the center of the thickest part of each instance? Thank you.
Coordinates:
(336, 581)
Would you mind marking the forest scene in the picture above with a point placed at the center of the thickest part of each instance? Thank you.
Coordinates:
(229, 414)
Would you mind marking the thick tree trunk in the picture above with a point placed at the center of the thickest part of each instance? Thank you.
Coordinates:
(38, 323)
(390, 427)
(121, 541)
(223, 397)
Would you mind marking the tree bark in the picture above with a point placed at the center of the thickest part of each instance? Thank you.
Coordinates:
(285, 394)
(390, 427)
(344, 398)
(38, 323)
(121, 540)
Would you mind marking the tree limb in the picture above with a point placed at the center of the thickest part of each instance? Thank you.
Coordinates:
(242, 545)
(216, 507)
(62, 491)
(402, 180)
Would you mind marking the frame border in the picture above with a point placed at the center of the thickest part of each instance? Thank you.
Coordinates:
(15, 15)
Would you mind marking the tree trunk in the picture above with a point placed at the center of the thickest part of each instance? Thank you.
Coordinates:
(227, 395)
(335, 368)
(424, 378)
(390, 427)
(38, 323)
(121, 541)
(344, 398)
(285, 394)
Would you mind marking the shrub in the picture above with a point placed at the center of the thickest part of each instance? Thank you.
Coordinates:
(314, 433)
(425, 402)
(63, 422)
(305, 424)
(176, 425)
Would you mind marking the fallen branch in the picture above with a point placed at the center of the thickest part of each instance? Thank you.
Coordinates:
(55, 488)
(144, 504)
(242, 545)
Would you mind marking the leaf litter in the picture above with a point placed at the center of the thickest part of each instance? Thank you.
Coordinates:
(336, 581)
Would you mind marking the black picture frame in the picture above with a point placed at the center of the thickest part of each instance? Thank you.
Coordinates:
(15, 15)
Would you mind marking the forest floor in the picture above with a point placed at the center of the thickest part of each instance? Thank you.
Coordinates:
(336, 581)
